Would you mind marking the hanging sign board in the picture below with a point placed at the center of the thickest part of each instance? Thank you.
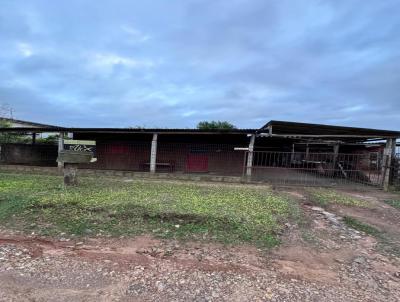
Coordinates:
(80, 145)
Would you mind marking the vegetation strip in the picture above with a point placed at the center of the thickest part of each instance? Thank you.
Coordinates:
(324, 197)
(225, 213)
(393, 203)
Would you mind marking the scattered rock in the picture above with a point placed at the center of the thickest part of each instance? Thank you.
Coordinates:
(317, 209)
(88, 232)
(359, 260)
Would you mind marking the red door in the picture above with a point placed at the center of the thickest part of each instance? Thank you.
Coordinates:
(197, 162)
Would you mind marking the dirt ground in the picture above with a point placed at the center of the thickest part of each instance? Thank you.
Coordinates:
(320, 260)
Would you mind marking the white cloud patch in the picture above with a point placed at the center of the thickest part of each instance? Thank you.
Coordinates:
(134, 34)
(25, 49)
(106, 62)
(355, 108)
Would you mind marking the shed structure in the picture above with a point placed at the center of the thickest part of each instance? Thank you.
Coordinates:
(279, 152)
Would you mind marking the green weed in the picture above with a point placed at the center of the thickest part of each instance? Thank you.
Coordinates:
(225, 213)
(361, 226)
(324, 197)
(393, 203)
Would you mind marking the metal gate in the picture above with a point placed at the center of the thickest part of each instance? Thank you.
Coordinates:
(313, 169)
(396, 171)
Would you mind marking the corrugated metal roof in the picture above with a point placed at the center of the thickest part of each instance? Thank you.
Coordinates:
(278, 128)
(12, 120)
(299, 129)
(130, 130)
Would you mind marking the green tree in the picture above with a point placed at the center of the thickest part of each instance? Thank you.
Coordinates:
(5, 137)
(209, 125)
(8, 137)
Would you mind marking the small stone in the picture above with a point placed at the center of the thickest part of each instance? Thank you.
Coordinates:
(160, 286)
(88, 231)
(359, 260)
(317, 209)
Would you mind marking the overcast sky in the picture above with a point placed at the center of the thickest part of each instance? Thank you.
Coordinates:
(173, 63)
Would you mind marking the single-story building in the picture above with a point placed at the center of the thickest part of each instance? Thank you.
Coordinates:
(280, 151)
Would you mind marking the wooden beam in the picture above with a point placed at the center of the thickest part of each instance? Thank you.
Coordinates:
(153, 153)
(388, 155)
(307, 151)
(323, 135)
(335, 158)
(335, 154)
(249, 164)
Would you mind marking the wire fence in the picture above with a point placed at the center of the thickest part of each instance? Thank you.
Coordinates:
(324, 169)
(292, 168)
(396, 171)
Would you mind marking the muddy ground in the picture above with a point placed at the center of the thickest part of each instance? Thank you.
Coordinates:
(320, 259)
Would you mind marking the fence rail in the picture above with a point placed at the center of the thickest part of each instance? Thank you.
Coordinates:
(305, 168)
(217, 159)
(292, 168)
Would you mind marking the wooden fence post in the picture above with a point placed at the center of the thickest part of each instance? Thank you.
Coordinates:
(388, 156)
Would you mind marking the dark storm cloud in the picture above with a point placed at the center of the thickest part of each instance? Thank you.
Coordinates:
(173, 63)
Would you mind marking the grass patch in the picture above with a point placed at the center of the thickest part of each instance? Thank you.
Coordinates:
(324, 197)
(385, 243)
(225, 213)
(393, 203)
(361, 226)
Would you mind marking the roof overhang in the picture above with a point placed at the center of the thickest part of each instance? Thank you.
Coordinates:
(26, 123)
(128, 130)
(319, 131)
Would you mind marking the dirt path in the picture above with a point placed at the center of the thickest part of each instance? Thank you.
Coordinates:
(322, 261)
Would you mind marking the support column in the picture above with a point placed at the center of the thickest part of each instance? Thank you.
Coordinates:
(292, 155)
(388, 155)
(60, 147)
(33, 138)
(335, 152)
(335, 157)
(249, 164)
(307, 152)
(153, 153)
